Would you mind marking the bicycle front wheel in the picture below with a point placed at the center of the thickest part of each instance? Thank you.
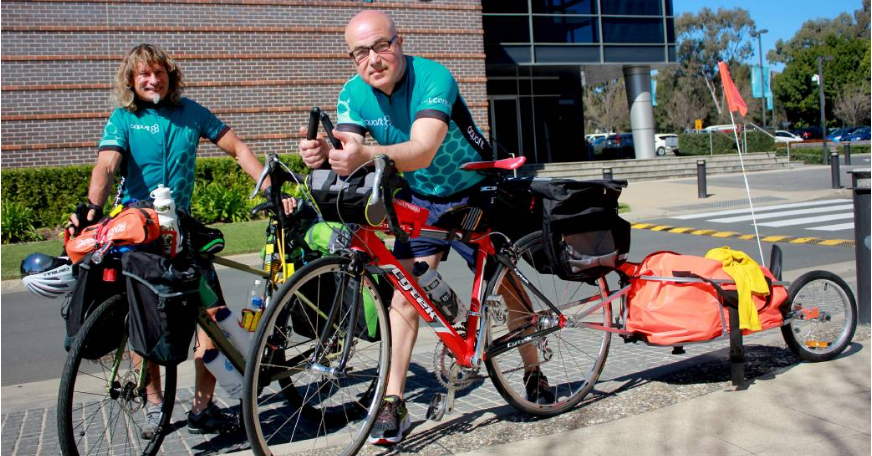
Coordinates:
(293, 401)
(102, 400)
(823, 316)
(547, 375)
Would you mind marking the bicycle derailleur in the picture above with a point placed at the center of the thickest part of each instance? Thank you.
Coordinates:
(452, 376)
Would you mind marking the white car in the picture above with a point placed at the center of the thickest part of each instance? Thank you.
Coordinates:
(665, 142)
(782, 136)
(593, 137)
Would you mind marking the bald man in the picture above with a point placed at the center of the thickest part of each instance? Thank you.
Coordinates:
(412, 109)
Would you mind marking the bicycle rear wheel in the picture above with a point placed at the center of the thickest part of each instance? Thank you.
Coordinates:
(324, 408)
(571, 358)
(824, 316)
(101, 408)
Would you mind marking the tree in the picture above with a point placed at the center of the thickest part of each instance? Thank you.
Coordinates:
(605, 106)
(852, 104)
(815, 32)
(709, 37)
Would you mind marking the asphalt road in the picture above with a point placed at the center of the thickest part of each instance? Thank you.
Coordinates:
(33, 330)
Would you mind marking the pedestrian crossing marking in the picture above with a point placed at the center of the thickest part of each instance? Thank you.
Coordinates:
(771, 215)
(761, 209)
(806, 220)
(836, 227)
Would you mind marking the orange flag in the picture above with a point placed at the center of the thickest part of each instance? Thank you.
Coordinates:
(734, 100)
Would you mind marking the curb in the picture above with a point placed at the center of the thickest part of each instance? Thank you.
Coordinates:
(743, 237)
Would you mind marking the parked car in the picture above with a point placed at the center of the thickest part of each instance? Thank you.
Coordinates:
(665, 142)
(860, 134)
(809, 133)
(615, 146)
(841, 133)
(594, 136)
(783, 136)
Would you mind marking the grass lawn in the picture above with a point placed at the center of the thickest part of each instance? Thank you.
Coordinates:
(241, 237)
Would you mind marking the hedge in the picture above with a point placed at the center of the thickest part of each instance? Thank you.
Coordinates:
(722, 143)
(53, 192)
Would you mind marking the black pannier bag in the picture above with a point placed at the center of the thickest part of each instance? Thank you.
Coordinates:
(584, 236)
(93, 287)
(164, 300)
(352, 193)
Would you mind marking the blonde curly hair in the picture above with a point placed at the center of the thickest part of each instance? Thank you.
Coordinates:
(146, 54)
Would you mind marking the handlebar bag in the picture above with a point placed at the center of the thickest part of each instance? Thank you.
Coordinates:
(671, 312)
(584, 236)
(95, 283)
(350, 205)
(131, 226)
(164, 299)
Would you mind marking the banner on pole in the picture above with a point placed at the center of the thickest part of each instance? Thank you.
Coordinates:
(756, 90)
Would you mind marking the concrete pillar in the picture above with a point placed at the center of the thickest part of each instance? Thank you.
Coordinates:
(638, 81)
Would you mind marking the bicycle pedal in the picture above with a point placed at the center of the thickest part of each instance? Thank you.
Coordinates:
(437, 407)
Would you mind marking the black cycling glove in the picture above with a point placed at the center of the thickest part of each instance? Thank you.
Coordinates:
(82, 214)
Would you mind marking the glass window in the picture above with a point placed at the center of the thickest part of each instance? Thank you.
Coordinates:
(670, 30)
(564, 29)
(504, 6)
(496, 54)
(567, 54)
(632, 30)
(669, 7)
(564, 6)
(632, 7)
(506, 29)
(631, 54)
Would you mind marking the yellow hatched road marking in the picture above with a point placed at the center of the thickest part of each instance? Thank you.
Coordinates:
(804, 240)
(836, 242)
(724, 234)
(775, 238)
(702, 232)
(747, 237)
(739, 236)
(642, 226)
(680, 230)
(661, 228)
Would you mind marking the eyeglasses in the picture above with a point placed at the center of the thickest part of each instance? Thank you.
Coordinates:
(362, 53)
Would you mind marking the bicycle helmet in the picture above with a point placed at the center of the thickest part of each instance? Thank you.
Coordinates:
(47, 276)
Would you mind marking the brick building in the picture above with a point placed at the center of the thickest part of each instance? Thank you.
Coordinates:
(260, 65)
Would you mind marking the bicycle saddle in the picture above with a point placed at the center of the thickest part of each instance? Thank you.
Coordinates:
(507, 164)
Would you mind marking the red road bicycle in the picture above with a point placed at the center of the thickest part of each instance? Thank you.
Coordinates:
(334, 378)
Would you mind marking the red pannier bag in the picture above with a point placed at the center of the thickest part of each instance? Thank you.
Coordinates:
(130, 227)
(665, 312)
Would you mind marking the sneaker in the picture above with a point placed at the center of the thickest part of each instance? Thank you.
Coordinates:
(393, 420)
(212, 420)
(152, 420)
(538, 390)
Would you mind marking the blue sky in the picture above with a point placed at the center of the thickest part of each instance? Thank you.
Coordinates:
(781, 17)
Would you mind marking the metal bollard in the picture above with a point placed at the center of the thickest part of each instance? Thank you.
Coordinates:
(702, 191)
(607, 173)
(860, 184)
(834, 170)
(847, 154)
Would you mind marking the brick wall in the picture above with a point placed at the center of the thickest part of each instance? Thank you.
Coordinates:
(258, 64)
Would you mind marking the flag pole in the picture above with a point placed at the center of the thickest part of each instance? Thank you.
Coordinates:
(747, 190)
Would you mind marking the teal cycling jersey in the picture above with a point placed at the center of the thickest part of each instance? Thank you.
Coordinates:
(427, 90)
(159, 145)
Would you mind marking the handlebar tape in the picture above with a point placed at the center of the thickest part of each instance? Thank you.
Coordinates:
(314, 116)
(328, 127)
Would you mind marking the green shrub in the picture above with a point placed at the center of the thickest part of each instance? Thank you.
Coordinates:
(219, 202)
(17, 223)
(53, 192)
(723, 143)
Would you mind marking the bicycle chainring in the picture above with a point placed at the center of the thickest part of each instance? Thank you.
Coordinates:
(443, 361)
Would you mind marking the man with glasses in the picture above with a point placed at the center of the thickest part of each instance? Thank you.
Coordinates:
(412, 109)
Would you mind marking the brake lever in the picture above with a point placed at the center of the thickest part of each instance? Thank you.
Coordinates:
(375, 211)
(270, 158)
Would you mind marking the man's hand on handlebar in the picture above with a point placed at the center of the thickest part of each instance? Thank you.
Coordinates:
(313, 151)
(352, 155)
(90, 212)
(289, 204)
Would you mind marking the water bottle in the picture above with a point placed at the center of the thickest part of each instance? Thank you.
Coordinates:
(251, 315)
(440, 293)
(165, 207)
(228, 377)
(239, 337)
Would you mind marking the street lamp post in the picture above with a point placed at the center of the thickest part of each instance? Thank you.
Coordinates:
(820, 62)
(758, 34)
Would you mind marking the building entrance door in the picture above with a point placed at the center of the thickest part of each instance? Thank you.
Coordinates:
(505, 123)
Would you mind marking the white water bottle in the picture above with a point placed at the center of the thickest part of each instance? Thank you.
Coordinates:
(228, 377)
(440, 293)
(165, 207)
(238, 336)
